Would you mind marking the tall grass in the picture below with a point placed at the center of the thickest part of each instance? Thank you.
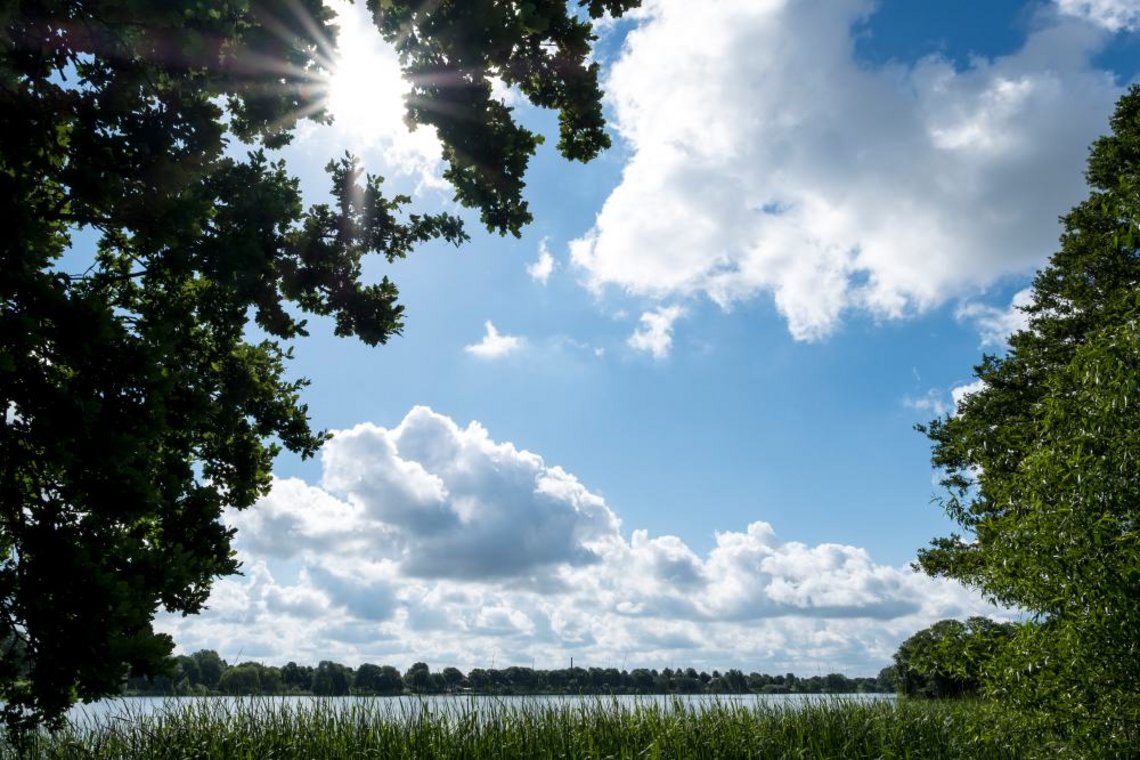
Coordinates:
(594, 729)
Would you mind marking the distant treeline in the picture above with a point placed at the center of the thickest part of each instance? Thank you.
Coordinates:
(206, 673)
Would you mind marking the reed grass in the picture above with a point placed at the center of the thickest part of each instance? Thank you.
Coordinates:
(594, 729)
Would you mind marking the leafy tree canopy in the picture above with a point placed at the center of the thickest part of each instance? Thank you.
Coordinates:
(950, 658)
(134, 407)
(1041, 463)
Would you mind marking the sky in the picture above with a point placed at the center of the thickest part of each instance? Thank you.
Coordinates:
(672, 424)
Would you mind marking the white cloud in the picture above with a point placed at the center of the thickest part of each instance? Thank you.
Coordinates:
(431, 499)
(494, 345)
(655, 335)
(1114, 15)
(959, 392)
(753, 575)
(431, 541)
(995, 325)
(932, 402)
(543, 266)
(778, 164)
(935, 403)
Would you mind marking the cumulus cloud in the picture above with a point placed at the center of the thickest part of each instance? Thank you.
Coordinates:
(995, 325)
(434, 500)
(434, 540)
(543, 266)
(1114, 15)
(779, 164)
(494, 345)
(753, 576)
(655, 335)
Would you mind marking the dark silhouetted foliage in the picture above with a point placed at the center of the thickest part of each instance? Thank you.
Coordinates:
(137, 253)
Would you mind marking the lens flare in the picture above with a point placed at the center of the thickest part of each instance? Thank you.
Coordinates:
(365, 90)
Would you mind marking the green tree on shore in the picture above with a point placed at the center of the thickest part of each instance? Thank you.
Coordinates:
(950, 658)
(240, 679)
(418, 678)
(331, 679)
(334, 679)
(1042, 472)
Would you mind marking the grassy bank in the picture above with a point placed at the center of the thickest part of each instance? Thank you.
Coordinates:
(598, 729)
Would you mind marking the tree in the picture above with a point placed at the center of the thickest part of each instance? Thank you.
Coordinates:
(366, 680)
(418, 677)
(642, 680)
(187, 673)
(210, 667)
(888, 679)
(331, 679)
(297, 677)
(137, 251)
(836, 683)
(480, 679)
(240, 680)
(734, 681)
(453, 677)
(950, 658)
(520, 679)
(390, 681)
(1041, 466)
(377, 679)
(269, 678)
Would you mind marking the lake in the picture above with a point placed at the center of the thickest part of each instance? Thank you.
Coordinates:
(130, 709)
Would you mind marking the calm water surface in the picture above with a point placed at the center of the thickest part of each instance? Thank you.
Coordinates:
(131, 709)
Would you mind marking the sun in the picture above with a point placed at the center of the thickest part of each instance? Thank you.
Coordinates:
(366, 89)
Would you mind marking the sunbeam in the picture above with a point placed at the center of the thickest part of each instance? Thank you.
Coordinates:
(365, 89)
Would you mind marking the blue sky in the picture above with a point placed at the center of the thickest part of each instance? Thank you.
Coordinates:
(672, 423)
